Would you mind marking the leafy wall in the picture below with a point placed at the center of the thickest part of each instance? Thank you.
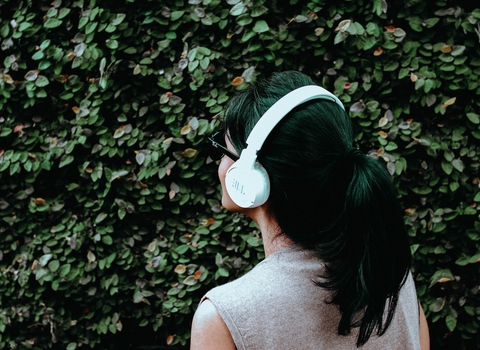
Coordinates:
(111, 226)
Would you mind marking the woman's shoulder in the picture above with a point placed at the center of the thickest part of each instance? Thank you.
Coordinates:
(243, 284)
(209, 331)
(281, 272)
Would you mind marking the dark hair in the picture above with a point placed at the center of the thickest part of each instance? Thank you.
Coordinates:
(328, 196)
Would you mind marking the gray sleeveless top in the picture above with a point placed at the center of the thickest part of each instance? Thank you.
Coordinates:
(277, 306)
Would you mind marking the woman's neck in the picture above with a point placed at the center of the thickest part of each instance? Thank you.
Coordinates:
(273, 239)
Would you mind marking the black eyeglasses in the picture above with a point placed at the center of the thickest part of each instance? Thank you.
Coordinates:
(219, 148)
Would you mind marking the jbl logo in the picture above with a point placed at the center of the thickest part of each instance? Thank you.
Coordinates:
(238, 186)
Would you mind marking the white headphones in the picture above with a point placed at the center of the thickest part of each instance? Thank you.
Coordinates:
(247, 181)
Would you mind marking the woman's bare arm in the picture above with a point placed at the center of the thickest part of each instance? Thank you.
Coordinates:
(209, 332)
(424, 335)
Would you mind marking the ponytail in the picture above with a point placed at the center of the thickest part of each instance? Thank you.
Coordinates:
(370, 260)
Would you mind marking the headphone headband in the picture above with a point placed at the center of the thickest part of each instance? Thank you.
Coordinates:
(281, 108)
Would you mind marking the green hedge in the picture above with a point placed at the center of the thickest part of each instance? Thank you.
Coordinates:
(111, 226)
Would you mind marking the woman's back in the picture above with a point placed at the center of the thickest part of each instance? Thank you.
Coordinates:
(277, 306)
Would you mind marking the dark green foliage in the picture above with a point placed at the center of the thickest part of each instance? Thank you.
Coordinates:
(111, 228)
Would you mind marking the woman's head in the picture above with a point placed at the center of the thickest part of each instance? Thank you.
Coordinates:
(327, 196)
(304, 154)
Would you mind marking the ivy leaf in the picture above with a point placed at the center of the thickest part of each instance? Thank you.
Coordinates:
(474, 259)
(221, 272)
(431, 99)
(438, 305)
(91, 257)
(41, 81)
(180, 269)
(477, 197)
(447, 167)
(451, 322)
(237, 81)
(79, 49)
(200, 12)
(458, 164)
(462, 261)
(52, 23)
(4, 31)
(358, 107)
(100, 217)
(176, 15)
(194, 123)
(441, 276)
(118, 19)
(54, 265)
(238, 9)
(183, 63)
(40, 273)
(174, 100)
(137, 70)
(382, 122)
(260, 27)
(64, 270)
(254, 241)
(341, 36)
(107, 240)
(300, 18)
(474, 118)
(31, 75)
(190, 281)
(391, 66)
(186, 129)
(140, 158)
(57, 206)
(8, 79)
(244, 19)
(170, 339)
(399, 33)
(431, 22)
(71, 346)
(44, 259)
(319, 31)
(258, 11)
(119, 132)
(218, 259)
(174, 187)
(189, 152)
(112, 44)
(457, 50)
(118, 174)
(248, 74)
(449, 102)
(65, 160)
(343, 25)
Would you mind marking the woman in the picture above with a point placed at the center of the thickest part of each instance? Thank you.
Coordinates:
(336, 273)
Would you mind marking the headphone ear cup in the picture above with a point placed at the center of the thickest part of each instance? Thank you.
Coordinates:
(247, 187)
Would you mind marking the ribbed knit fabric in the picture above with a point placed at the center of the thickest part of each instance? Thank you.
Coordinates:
(277, 306)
